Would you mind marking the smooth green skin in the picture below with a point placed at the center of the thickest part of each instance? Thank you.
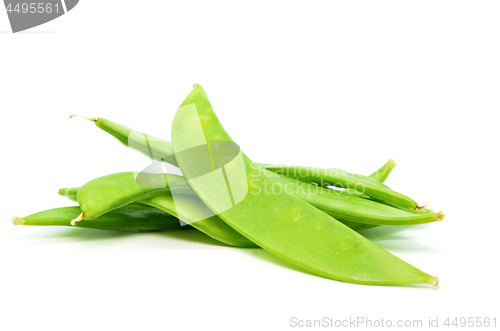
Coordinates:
(351, 208)
(285, 225)
(213, 226)
(128, 218)
(332, 177)
(157, 149)
(338, 204)
(106, 193)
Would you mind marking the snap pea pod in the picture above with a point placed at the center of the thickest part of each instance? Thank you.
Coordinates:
(106, 193)
(281, 223)
(128, 218)
(161, 150)
(359, 183)
(351, 208)
(381, 174)
(200, 217)
(103, 196)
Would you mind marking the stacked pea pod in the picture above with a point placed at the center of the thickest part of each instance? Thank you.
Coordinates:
(297, 213)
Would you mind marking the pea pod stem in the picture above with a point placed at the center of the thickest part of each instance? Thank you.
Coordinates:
(77, 219)
(161, 150)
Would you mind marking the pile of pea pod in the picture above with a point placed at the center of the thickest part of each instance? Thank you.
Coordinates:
(312, 220)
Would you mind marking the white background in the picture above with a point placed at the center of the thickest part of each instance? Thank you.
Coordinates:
(318, 83)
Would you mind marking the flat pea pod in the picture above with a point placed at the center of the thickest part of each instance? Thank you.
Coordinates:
(281, 223)
(359, 183)
(349, 207)
(106, 193)
(101, 195)
(128, 218)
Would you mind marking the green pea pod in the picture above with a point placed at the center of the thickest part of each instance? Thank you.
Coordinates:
(154, 148)
(352, 208)
(380, 175)
(281, 223)
(212, 226)
(196, 214)
(128, 218)
(161, 150)
(359, 183)
(106, 193)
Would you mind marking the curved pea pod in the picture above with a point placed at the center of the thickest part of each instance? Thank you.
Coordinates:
(103, 194)
(281, 223)
(154, 148)
(350, 207)
(129, 218)
(380, 176)
(359, 183)
(106, 193)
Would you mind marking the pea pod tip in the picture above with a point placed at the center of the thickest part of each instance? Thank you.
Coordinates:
(87, 118)
(440, 216)
(17, 220)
